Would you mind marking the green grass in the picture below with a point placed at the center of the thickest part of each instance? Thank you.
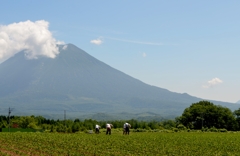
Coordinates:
(20, 130)
(178, 144)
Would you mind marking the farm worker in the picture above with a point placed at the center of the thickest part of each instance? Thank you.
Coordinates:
(126, 128)
(108, 127)
(97, 127)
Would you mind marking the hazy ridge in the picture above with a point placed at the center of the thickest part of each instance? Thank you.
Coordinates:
(79, 83)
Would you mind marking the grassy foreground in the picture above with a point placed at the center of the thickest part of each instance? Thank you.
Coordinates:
(178, 144)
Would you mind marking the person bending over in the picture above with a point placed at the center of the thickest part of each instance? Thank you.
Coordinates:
(97, 127)
(108, 128)
(126, 128)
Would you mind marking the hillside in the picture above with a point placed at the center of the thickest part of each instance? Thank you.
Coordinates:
(79, 83)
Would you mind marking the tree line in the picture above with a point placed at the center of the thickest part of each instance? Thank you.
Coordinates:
(39, 122)
(202, 114)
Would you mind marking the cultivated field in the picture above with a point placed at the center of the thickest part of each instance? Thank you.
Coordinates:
(145, 143)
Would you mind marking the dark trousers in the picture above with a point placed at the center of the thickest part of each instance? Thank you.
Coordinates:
(127, 130)
(108, 131)
(97, 130)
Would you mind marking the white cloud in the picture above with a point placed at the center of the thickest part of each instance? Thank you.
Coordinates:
(96, 41)
(32, 37)
(65, 47)
(144, 55)
(213, 82)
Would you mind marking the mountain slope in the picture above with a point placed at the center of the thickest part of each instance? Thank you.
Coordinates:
(77, 82)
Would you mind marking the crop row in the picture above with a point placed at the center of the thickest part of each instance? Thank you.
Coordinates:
(117, 144)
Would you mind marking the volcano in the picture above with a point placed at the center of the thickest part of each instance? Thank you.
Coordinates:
(80, 84)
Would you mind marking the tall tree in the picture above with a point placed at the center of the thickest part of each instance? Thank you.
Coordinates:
(206, 114)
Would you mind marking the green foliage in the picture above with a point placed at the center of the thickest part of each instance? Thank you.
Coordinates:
(180, 144)
(206, 114)
(222, 130)
(213, 129)
(168, 124)
(139, 130)
(236, 113)
(19, 130)
(181, 127)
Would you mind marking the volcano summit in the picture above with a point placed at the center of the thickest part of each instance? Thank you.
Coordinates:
(79, 83)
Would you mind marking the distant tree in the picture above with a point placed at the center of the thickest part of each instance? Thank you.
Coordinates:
(76, 127)
(168, 124)
(206, 114)
(153, 125)
(3, 124)
(76, 120)
(32, 125)
(236, 113)
(40, 120)
(25, 121)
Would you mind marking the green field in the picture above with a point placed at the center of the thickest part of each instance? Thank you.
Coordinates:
(147, 143)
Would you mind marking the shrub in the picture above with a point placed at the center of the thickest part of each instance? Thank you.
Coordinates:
(222, 130)
(175, 130)
(139, 130)
(181, 127)
(166, 131)
(213, 129)
(205, 129)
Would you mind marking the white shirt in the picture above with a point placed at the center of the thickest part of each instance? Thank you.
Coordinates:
(97, 126)
(125, 125)
(108, 125)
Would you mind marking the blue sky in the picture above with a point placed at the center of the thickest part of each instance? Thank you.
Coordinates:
(184, 46)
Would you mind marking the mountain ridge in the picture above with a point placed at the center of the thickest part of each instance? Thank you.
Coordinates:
(79, 83)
